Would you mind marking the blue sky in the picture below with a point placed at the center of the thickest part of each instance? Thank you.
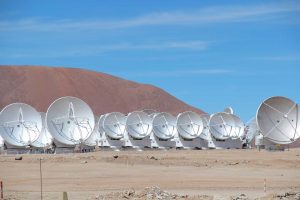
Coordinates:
(210, 54)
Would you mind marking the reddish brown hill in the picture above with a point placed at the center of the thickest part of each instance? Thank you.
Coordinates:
(40, 86)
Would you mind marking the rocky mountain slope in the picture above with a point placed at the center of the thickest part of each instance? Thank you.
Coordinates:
(39, 86)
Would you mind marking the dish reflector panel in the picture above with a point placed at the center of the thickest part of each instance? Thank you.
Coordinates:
(1, 142)
(278, 120)
(205, 132)
(251, 130)
(221, 125)
(152, 115)
(164, 125)
(45, 139)
(20, 124)
(100, 125)
(114, 125)
(238, 127)
(138, 124)
(149, 111)
(70, 120)
(189, 125)
(95, 138)
(228, 110)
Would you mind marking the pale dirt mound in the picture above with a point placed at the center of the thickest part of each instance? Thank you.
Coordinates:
(155, 193)
(150, 193)
(286, 196)
(40, 86)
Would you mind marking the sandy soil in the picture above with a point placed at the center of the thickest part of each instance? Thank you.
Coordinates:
(179, 174)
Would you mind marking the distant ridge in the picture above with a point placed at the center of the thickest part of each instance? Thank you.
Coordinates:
(39, 86)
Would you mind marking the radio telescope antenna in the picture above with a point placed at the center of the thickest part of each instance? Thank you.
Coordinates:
(278, 119)
(138, 124)
(238, 127)
(189, 125)
(228, 110)
(149, 111)
(45, 139)
(70, 120)
(205, 133)
(221, 125)
(96, 136)
(251, 130)
(114, 125)
(100, 125)
(1, 142)
(164, 125)
(20, 124)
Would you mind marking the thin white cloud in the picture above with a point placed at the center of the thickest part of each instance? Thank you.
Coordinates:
(195, 45)
(176, 73)
(201, 16)
(280, 58)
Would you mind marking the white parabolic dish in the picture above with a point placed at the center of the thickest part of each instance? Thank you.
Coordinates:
(70, 120)
(149, 111)
(278, 120)
(100, 125)
(138, 124)
(1, 141)
(252, 130)
(20, 124)
(164, 125)
(96, 136)
(238, 127)
(228, 110)
(114, 125)
(205, 132)
(221, 125)
(45, 138)
(189, 125)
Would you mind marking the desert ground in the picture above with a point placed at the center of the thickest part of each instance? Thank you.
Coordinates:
(155, 174)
